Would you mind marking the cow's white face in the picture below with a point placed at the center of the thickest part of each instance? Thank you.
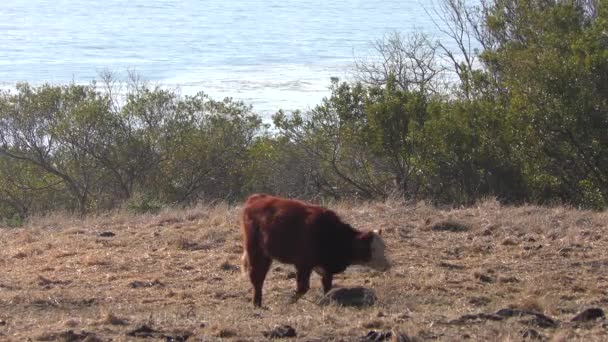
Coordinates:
(378, 260)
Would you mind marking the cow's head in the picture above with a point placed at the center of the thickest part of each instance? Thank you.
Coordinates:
(370, 250)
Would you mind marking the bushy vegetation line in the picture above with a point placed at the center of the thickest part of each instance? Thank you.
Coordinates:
(526, 121)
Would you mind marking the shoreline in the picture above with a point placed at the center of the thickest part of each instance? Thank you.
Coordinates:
(267, 93)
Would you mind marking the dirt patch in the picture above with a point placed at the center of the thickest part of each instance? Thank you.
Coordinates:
(145, 331)
(451, 226)
(136, 284)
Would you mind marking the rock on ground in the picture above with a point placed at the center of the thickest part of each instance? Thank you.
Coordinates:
(353, 296)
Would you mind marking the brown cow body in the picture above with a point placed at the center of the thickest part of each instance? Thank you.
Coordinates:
(307, 236)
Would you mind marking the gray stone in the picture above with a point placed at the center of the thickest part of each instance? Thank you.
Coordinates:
(281, 331)
(353, 296)
(590, 314)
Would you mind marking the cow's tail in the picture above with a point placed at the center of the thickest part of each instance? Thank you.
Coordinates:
(245, 264)
(251, 235)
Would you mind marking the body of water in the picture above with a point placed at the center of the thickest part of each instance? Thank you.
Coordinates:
(272, 54)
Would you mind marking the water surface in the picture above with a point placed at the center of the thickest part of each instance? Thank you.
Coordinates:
(272, 54)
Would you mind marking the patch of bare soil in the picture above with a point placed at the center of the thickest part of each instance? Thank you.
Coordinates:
(485, 273)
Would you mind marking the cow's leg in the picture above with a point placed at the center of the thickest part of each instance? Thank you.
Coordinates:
(326, 280)
(303, 282)
(258, 268)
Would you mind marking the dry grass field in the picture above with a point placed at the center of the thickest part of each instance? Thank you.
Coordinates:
(177, 273)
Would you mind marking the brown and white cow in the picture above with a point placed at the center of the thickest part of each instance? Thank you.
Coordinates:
(307, 236)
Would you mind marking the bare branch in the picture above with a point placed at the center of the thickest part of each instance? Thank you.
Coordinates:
(411, 60)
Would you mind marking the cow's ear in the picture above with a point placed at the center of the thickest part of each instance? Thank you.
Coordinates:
(378, 231)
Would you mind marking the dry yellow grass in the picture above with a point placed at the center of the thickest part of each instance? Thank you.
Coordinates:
(177, 273)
